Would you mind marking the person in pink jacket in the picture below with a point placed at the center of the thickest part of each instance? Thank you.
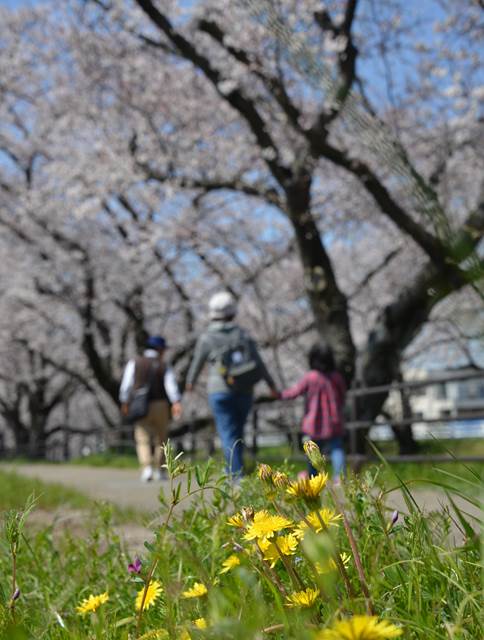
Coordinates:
(324, 391)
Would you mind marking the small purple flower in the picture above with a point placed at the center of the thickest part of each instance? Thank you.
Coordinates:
(393, 521)
(135, 567)
(16, 594)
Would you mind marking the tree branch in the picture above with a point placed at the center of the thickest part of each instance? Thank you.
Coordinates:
(272, 83)
(346, 63)
(234, 96)
(429, 243)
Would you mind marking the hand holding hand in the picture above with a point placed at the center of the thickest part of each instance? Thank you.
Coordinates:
(176, 410)
(124, 408)
(189, 387)
(275, 394)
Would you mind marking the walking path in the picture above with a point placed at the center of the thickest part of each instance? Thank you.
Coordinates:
(120, 486)
(123, 488)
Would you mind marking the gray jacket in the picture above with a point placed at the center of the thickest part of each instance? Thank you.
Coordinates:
(208, 346)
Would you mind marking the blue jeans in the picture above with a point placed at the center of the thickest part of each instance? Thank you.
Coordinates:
(230, 411)
(334, 448)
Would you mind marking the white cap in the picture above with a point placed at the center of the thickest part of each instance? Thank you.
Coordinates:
(222, 305)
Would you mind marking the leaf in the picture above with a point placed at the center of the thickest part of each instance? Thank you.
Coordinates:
(198, 476)
(124, 621)
(470, 533)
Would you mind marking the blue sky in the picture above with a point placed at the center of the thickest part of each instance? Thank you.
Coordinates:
(18, 3)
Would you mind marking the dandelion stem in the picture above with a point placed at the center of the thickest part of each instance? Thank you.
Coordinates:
(339, 562)
(356, 554)
(295, 577)
(272, 574)
(14, 580)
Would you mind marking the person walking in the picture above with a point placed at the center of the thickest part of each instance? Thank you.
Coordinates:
(235, 366)
(151, 431)
(324, 391)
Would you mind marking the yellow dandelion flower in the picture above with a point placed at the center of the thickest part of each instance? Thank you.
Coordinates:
(328, 517)
(200, 623)
(236, 521)
(331, 564)
(89, 605)
(196, 591)
(152, 593)
(308, 488)
(265, 525)
(155, 634)
(300, 532)
(361, 628)
(287, 546)
(231, 562)
(184, 635)
(302, 598)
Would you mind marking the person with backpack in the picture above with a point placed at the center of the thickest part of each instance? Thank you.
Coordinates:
(324, 391)
(235, 367)
(148, 388)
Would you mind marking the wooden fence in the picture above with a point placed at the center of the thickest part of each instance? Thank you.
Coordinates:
(273, 420)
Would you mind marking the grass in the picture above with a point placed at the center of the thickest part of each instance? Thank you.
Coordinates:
(406, 572)
(109, 459)
(15, 490)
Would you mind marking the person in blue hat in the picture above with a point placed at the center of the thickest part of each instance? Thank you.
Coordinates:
(151, 432)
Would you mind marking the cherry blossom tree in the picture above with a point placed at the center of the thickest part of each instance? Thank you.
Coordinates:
(247, 121)
(153, 152)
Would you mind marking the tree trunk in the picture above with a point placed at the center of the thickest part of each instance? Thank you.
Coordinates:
(395, 328)
(328, 303)
(20, 435)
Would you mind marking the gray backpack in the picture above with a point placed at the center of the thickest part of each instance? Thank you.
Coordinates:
(238, 363)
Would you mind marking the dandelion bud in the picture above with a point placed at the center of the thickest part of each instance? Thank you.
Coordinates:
(247, 513)
(264, 472)
(314, 454)
(16, 594)
(280, 480)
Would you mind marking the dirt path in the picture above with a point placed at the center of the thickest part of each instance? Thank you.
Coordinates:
(123, 488)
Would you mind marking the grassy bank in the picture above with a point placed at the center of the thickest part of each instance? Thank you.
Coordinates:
(272, 558)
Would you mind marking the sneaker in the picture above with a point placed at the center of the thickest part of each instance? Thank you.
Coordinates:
(146, 474)
(157, 475)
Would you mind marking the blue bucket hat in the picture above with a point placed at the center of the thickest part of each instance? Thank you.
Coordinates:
(156, 342)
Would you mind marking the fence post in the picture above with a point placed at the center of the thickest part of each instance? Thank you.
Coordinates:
(354, 418)
(255, 428)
